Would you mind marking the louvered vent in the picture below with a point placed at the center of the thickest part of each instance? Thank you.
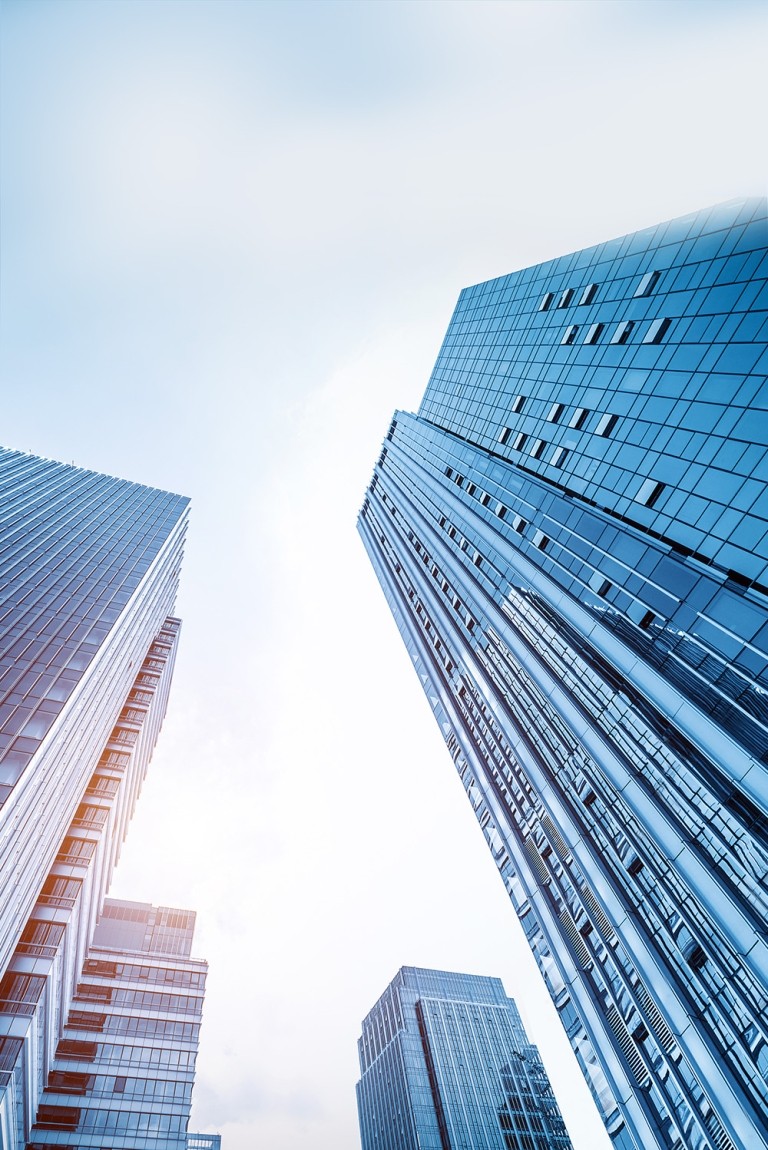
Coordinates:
(554, 836)
(537, 862)
(578, 945)
(597, 914)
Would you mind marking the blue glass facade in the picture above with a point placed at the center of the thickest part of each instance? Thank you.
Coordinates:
(445, 1064)
(89, 569)
(572, 535)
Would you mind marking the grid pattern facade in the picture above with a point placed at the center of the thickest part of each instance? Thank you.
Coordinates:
(124, 1067)
(572, 535)
(446, 1065)
(89, 569)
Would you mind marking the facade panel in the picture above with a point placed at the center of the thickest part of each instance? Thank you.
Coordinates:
(573, 539)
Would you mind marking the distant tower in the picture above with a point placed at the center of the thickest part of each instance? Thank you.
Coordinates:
(445, 1063)
(124, 1067)
(89, 569)
(572, 536)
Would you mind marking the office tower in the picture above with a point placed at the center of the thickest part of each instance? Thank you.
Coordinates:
(89, 568)
(124, 1067)
(445, 1063)
(572, 535)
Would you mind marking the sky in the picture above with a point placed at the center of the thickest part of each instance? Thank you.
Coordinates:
(233, 234)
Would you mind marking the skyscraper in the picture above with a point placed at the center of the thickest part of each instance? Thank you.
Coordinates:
(445, 1063)
(89, 568)
(572, 535)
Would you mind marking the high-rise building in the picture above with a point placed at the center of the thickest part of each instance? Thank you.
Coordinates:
(124, 1066)
(445, 1063)
(572, 535)
(89, 568)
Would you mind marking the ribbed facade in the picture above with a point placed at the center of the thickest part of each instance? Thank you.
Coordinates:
(89, 569)
(572, 535)
(445, 1064)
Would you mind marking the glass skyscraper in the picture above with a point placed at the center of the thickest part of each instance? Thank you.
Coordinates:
(572, 535)
(445, 1064)
(89, 568)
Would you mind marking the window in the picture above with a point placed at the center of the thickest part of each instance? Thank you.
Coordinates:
(696, 959)
(501, 510)
(9, 1053)
(647, 284)
(559, 456)
(477, 559)
(604, 588)
(537, 449)
(485, 499)
(606, 425)
(40, 937)
(519, 524)
(85, 1020)
(517, 405)
(555, 411)
(657, 330)
(546, 301)
(17, 988)
(579, 418)
(565, 298)
(589, 293)
(77, 1051)
(646, 620)
(635, 867)
(449, 471)
(541, 541)
(60, 891)
(504, 435)
(58, 1117)
(471, 489)
(621, 335)
(92, 992)
(519, 441)
(69, 1082)
(570, 334)
(594, 333)
(649, 492)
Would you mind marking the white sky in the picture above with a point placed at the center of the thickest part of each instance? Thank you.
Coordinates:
(233, 235)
